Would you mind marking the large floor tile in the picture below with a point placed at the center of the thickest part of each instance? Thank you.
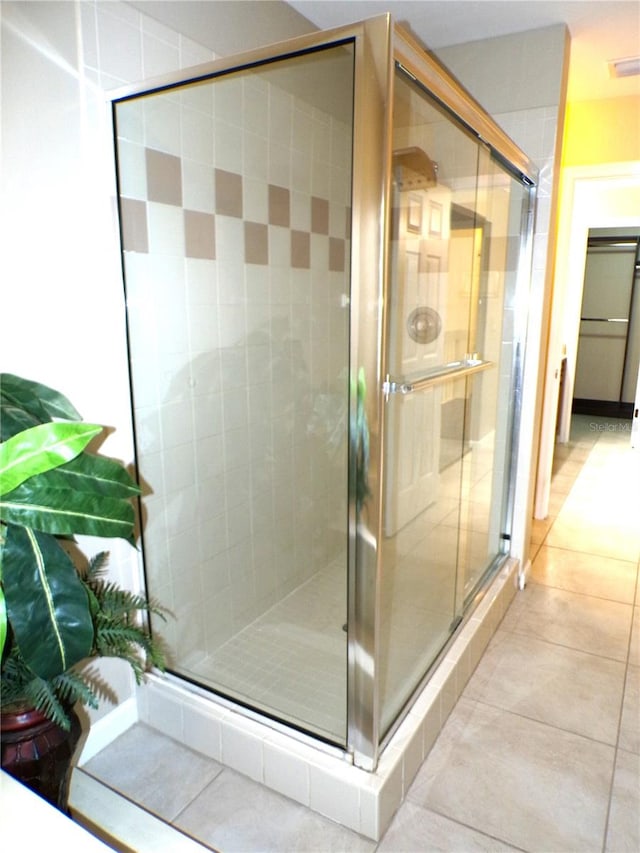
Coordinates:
(630, 721)
(623, 835)
(634, 648)
(534, 786)
(563, 479)
(155, 771)
(573, 453)
(582, 622)
(556, 502)
(539, 529)
(563, 687)
(574, 532)
(586, 573)
(236, 814)
(417, 829)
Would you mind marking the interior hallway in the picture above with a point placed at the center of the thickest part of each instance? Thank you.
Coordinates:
(542, 752)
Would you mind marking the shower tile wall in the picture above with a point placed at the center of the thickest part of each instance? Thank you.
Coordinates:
(235, 234)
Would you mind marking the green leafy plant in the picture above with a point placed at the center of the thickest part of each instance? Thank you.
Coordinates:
(55, 610)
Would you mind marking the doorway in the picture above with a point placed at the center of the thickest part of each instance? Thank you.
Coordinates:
(609, 340)
(601, 196)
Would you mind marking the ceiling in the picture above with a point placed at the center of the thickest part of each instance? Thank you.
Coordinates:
(600, 30)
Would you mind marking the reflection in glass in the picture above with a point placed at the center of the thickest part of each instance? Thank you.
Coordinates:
(235, 209)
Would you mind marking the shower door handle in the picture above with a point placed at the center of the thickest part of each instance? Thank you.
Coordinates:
(390, 387)
(453, 370)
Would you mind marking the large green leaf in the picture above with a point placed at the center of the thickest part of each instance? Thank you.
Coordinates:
(41, 448)
(89, 473)
(14, 419)
(67, 511)
(3, 621)
(39, 400)
(47, 604)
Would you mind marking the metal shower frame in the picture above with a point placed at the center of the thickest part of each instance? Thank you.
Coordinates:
(380, 46)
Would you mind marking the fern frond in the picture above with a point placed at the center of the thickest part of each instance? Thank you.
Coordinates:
(71, 687)
(41, 695)
(121, 630)
(97, 565)
(116, 601)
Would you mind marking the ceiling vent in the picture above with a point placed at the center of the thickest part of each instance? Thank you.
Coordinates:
(628, 67)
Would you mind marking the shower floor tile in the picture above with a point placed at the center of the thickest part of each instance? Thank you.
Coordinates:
(292, 661)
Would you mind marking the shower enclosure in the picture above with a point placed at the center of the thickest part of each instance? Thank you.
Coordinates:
(325, 253)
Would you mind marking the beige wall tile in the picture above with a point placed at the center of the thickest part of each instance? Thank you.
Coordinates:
(279, 206)
(319, 215)
(228, 193)
(256, 243)
(164, 177)
(133, 216)
(199, 235)
(300, 250)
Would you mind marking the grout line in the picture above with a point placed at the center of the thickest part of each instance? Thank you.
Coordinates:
(616, 746)
(545, 723)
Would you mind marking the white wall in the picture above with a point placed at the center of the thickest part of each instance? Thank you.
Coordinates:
(63, 319)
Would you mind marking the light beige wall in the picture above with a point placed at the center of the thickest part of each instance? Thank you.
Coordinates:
(604, 131)
(521, 80)
(600, 166)
(518, 72)
(228, 26)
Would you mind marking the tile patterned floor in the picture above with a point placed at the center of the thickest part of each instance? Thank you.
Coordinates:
(542, 752)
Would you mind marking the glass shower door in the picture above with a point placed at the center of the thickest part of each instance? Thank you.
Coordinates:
(235, 202)
(456, 221)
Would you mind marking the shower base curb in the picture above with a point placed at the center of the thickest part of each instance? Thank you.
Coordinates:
(329, 783)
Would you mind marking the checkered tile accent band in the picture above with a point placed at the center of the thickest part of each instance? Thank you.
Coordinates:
(316, 231)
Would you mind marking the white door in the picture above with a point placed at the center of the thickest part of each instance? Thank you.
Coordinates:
(416, 346)
(635, 423)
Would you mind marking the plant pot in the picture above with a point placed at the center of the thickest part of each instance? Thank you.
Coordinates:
(38, 753)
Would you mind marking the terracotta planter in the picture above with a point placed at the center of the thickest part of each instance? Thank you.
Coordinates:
(38, 753)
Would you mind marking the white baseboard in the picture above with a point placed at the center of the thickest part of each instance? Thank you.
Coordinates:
(523, 575)
(109, 727)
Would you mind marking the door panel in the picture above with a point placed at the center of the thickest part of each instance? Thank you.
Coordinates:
(416, 347)
(607, 346)
(448, 411)
(236, 255)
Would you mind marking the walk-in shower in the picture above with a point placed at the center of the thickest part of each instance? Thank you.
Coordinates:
(325, 249)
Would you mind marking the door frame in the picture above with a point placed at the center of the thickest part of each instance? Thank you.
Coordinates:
(601, 196)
